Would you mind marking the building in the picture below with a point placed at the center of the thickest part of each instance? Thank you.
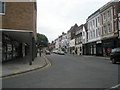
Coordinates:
(18, 30)
(119, 28)
(64, 42)
(71, 38)
(109, 26)
(78, 40)
(84, 39)
(103, 29)
(94, 43)
(61, 42)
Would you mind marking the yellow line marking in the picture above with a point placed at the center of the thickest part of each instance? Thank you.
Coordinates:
(48, 65)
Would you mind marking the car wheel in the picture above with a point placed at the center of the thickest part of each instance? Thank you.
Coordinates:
(113, 61)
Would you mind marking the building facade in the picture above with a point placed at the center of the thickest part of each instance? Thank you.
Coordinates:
(78, 40)
(103, 30)
(94, 34)
(18, 30)
(109, 26)
(71, 38)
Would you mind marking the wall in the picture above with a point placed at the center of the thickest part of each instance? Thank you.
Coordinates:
(20, 16)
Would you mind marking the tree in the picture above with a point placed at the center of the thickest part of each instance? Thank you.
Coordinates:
(42, 40)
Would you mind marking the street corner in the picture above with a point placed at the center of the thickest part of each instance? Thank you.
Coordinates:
(37, 65)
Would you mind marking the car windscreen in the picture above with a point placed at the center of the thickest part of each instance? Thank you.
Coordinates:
(115, 50)
(118, 50)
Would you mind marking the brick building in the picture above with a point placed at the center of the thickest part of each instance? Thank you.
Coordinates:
(18, 29)
(103, 29)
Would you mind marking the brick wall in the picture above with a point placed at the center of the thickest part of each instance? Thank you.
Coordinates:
(20, 16)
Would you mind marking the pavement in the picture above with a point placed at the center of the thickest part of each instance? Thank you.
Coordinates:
(92, 56)
(20, 66)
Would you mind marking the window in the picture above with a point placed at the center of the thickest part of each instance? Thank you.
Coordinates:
(108, 14)
(99, 31)
(104, 30)
(98, 19)
(114, 11)
(109, 28)
(93, 23)
(114, 26)
(2, 7)
(104, 16)
(96, 22)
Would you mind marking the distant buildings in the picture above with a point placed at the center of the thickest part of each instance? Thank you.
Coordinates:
(98, 35)
(18, 27)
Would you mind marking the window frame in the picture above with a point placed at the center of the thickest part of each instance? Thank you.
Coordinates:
(3, 12)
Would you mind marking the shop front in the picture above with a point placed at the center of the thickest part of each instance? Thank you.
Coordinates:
(18, 44)
(78, 49)
(84, 47)
(99, 48)
(109, 44)
(91, 48)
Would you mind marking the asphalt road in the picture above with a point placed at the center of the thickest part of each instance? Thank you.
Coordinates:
(69, 72)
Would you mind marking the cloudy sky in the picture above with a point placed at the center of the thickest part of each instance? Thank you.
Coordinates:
(57, 16)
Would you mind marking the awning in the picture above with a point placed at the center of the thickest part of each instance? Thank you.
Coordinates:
(18, 35)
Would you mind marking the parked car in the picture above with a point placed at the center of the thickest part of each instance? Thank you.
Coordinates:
(47, 52)
(55, 51)
(61, 53)
(115, 55)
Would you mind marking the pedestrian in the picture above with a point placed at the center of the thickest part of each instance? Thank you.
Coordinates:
(73, 52)
(40, 52)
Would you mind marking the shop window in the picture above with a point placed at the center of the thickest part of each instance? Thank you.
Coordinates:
(2, 7)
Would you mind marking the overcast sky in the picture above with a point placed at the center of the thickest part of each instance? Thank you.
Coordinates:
(57, 16)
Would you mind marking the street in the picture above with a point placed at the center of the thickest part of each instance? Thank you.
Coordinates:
(69, 72)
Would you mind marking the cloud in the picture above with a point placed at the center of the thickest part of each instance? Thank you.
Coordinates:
(56, 16)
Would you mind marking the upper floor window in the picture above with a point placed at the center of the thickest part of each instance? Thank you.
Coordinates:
(104, 30)
(98, 19)
(104, 16)
(114, 11)
(2, 7)
(108, 13)
(109, 28)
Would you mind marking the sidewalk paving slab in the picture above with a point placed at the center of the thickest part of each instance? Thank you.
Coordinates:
(22, 65)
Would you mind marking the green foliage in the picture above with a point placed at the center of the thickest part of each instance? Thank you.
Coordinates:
(42, 40)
